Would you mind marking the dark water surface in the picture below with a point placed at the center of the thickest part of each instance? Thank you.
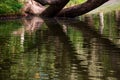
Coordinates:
(61, 49)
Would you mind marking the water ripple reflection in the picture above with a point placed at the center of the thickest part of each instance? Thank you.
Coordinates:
(55, 49)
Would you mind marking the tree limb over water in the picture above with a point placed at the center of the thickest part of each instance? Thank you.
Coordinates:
(56, 8)
(81, 9)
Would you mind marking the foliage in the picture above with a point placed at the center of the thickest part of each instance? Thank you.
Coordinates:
(5, 9)
(9, 6)
(74, 2)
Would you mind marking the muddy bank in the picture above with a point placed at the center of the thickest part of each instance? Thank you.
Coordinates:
(11, 16)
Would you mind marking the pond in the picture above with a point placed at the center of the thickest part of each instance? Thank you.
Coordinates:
(85, 48)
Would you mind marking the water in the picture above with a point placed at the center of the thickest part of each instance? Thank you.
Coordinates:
(61, 49)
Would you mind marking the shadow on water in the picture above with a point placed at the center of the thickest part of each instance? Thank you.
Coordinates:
(60, 49)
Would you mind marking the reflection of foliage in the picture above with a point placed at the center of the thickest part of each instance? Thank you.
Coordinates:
(110, 30)
(7, 47)
(44, 55)
(6, 27)
(78, 42)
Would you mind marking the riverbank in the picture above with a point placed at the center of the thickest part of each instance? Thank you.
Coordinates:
(11, 16)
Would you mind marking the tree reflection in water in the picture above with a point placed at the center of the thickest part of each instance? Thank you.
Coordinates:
(68, 49)
(99, 47)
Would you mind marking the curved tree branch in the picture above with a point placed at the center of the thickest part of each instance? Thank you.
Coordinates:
(81, 9)
(54, 8)
(48, 2)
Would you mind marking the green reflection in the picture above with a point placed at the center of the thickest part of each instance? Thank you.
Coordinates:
(50, 49)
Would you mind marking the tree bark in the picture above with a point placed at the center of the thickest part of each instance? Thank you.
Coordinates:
(54, 8)
(48, 2)
(81, 9)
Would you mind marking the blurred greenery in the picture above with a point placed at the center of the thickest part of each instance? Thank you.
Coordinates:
(43, 55)
(9, 6)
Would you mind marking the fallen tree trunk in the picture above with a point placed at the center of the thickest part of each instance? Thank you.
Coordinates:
(81, 9)
(56, 8)
(49, 2)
